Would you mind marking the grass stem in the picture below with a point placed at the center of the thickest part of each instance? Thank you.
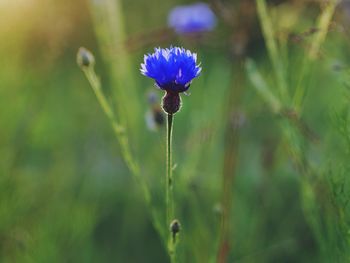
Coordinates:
(273, 49)
(123, 140)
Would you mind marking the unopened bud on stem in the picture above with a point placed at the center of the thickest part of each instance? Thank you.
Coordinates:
(171, 102)
(175, 228)
(85, 58)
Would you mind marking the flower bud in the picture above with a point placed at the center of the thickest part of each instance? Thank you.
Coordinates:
(175, 228)
(85, 58)
(155, 118)
(171, 102)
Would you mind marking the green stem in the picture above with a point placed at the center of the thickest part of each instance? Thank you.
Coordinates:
(272, 48)
(169, 186)
(123, 140)
(324, 22)
(118, 129)
(169, 189)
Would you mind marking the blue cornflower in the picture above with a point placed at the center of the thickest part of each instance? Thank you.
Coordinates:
(173, 70)
(192, 18)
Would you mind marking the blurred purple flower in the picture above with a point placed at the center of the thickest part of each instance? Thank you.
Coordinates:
(192, 18)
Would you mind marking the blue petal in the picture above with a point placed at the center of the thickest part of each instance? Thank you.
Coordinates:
(172, 68)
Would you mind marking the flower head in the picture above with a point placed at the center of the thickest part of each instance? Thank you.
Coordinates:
(172, 68)
(192, 18)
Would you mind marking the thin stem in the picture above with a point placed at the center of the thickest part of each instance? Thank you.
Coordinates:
(123, 140)
(272, 48)
(108, 21)
(169, 186)
(169, 189)
(324, 22)
(118, 129)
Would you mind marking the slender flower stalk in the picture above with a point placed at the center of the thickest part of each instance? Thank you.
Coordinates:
(173, 70)
(86, 61)
(169, 183)
(169, 174)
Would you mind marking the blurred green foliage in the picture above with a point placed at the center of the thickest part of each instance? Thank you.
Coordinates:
(255, 182)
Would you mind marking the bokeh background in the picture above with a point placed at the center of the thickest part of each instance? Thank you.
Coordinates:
(253, 184)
